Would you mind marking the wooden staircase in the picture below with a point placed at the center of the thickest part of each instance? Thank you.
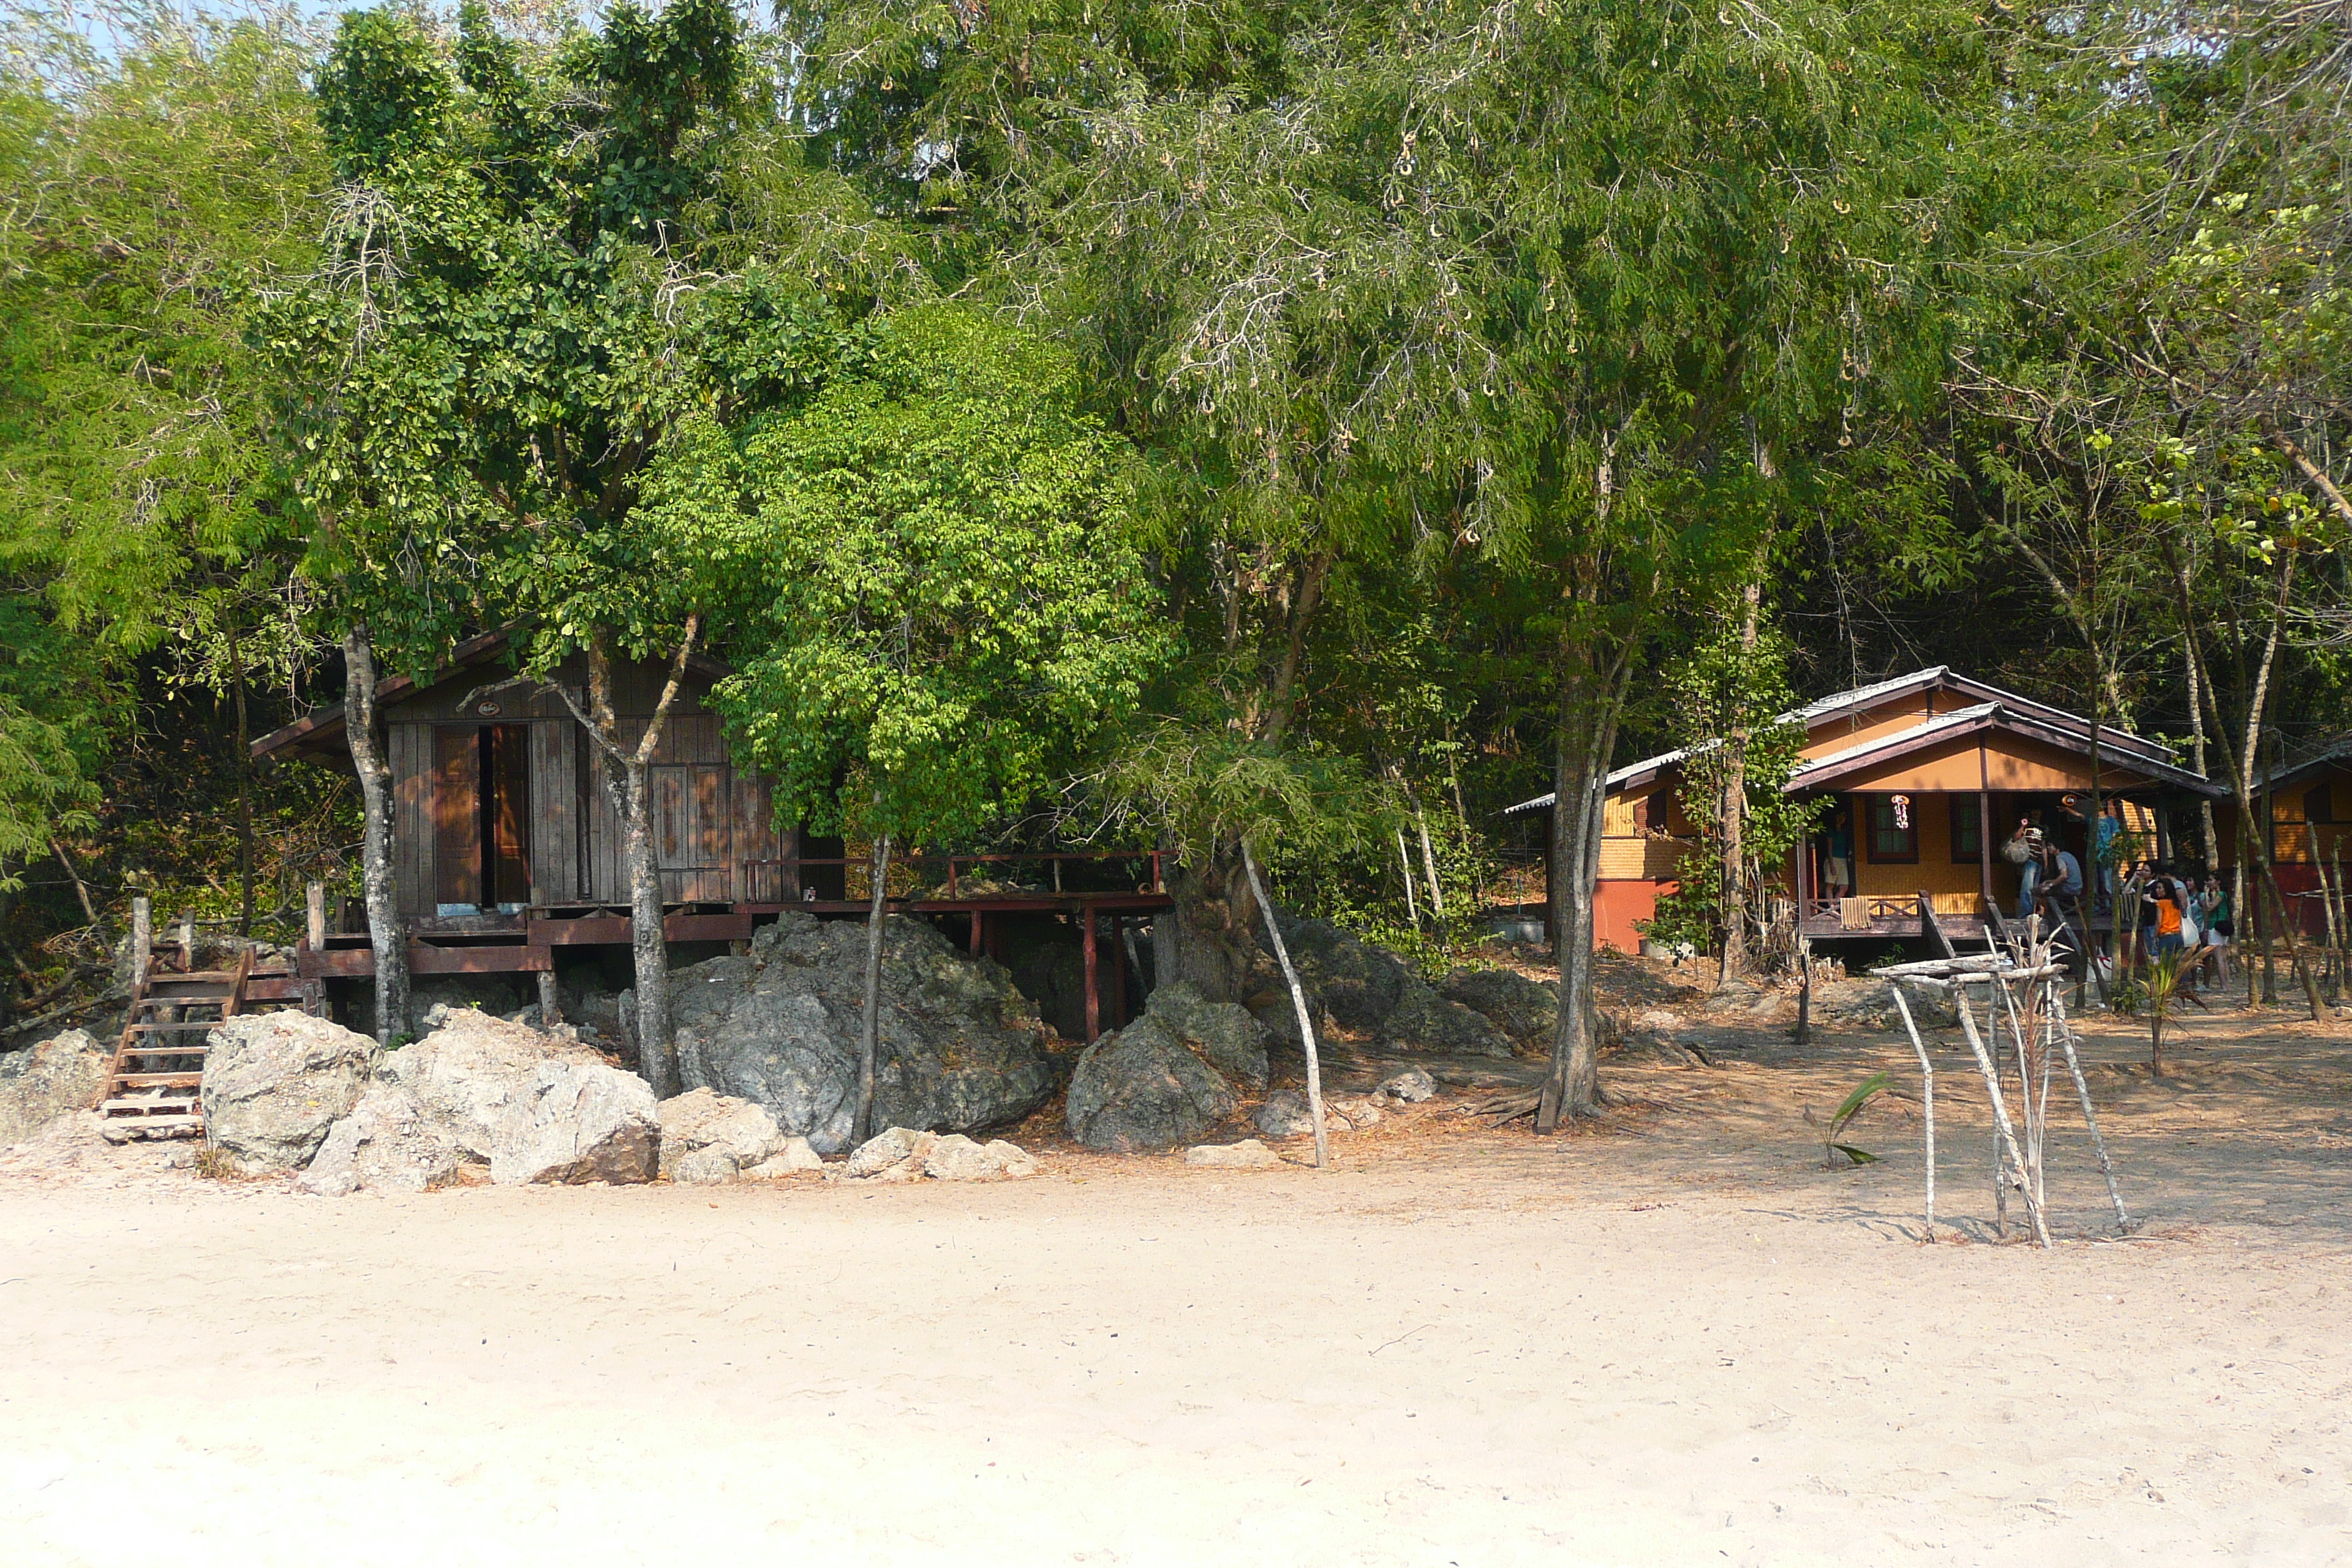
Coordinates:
(152, 1086)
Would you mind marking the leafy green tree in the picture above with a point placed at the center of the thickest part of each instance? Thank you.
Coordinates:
(152, 188)
(1693, 246)
(533, 280)
(1732, 694)
(933, 592)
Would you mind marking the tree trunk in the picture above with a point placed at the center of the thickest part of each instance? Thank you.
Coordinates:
(627, 780)
(1591, 696)
(1429, 864)
(387, 933)
(244, 788)
(1298, 1003)
(648, 948)
(869, 1026)
(2212, 840)
(1213, 918)
(2254, 812)
(1733, 889)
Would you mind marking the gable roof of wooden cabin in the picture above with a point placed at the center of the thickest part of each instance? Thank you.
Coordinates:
(1989, 708)
(318, 736)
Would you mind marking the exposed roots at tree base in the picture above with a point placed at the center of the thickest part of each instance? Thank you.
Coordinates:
(1521, 1103)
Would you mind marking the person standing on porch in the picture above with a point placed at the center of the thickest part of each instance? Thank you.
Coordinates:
(2218, 924)
(2058, 884)
(2024, 851)
(2103, 833)
(1839, 839)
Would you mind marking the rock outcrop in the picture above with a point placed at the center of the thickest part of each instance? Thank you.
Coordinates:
(722, 1135)
(466, 1076)
(1246, 1155)
(1409, 1087)
(1527, 1011)
(578, 1121)
(58, 1077)
(961, 1050)
(386, 1143)
(907, 1155)
(275, 1082)
(1169, 1077)
(1367, 988)
(480, 1091)
(1285, 1114)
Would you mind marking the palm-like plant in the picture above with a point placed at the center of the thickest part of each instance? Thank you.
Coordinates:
(2164, 977)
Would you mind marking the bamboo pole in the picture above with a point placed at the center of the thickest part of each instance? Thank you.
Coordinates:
(1404, 864)
(1927, 1097)
(1297, 1001)
(2090, 1117)
(2004, 1133)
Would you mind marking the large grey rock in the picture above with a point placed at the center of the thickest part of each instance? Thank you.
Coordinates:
(1225, 1034)
(1286, 1114)
(56, 1077)
(465, 1077)
(275, 1082)
(1357, 984)
(578, 1121)
(738, 1133)
(1366, 988)
(961, 1050)
(1143, 1089)
(1527, 1011)
(482, 1090)
(386, 1145)
(1409, 1087)
(1427, 1023)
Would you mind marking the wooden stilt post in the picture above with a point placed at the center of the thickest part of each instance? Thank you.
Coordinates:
(975, 934)
(1117, 972)
(1094, 992)
(315, 913)
(551, 1003)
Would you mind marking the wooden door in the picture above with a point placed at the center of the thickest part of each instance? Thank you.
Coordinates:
(556, 811)
(505, 813)
(457, 808)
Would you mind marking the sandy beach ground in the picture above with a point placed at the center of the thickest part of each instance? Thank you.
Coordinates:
(1676, 1340)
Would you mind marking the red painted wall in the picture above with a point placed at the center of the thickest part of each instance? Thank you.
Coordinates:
(1616, 905)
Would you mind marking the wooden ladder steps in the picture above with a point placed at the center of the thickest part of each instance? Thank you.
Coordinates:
(132, 1106)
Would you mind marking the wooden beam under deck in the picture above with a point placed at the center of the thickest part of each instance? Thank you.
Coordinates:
(524, 945)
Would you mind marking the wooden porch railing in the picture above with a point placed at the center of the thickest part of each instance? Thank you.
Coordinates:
(909, 881)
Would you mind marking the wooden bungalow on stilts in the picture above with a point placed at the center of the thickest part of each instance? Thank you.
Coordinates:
(1926, 776)
(2308, 807)
(509, 850)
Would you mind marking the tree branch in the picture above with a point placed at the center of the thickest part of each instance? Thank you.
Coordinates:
(669, 693)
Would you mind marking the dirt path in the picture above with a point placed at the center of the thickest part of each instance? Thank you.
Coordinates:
(1678, 1339)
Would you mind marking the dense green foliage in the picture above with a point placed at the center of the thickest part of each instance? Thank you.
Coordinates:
(1351, 416)
(928, 577)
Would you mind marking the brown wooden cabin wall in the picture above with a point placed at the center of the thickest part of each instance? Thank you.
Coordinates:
(707, 817)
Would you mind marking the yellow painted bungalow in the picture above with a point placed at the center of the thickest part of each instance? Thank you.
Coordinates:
(1927, 775)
